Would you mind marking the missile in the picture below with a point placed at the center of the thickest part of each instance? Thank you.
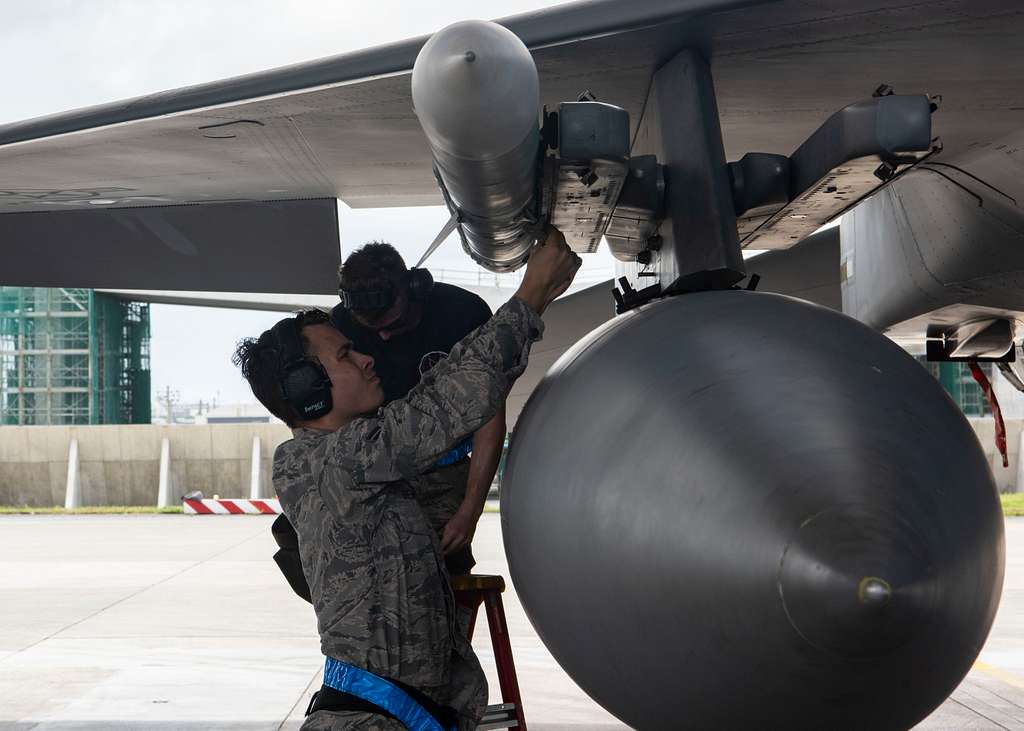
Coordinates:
(476, 94)
(732, 510)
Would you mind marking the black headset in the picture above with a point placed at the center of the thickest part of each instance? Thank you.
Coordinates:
(417, 282)
(304, 382)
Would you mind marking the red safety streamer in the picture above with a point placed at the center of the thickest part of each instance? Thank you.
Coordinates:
(993, 403)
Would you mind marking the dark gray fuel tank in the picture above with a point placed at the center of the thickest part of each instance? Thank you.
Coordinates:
(734, 510)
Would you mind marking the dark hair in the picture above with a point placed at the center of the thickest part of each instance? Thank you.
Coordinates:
(374, 266)
(259, 359)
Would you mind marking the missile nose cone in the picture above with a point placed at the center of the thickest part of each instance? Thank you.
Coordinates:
(477, 97)
(475, 90)
(854, 582)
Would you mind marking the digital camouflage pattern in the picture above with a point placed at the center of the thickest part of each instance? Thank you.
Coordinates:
(440, 492)
(371, 557)
(350, 721)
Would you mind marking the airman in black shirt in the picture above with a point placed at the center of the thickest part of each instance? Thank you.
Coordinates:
(408, 323)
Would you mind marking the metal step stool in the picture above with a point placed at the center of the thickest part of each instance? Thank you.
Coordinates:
(471, 591)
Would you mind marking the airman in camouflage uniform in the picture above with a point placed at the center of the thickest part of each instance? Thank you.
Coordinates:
(348, 483)
(372, 560)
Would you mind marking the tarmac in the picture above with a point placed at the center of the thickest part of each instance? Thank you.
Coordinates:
(179, 622)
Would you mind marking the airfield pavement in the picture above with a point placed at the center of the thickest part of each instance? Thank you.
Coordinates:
(178, 622)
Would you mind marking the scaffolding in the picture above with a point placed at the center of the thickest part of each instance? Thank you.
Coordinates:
(956, 378)
(72, 356)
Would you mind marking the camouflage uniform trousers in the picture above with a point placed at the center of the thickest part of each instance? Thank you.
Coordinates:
(350, 721)
(440, 492)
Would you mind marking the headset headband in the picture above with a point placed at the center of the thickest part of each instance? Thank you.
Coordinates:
(289, 345)
(304, 382)
(368, 299)
(418, 282)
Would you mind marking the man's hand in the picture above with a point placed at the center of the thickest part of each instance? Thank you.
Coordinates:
(458, 532)
(549, 272)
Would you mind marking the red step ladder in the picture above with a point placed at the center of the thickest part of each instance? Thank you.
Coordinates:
(471, 591)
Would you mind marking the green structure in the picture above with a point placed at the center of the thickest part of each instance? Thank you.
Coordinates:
(72, 356)
(956, 378)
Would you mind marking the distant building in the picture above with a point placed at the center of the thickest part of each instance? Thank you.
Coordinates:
(174, 412)
(73, 356)
(237, 414)
(166, 410)
(956, 378)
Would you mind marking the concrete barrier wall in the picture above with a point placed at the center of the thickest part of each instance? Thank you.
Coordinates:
(120, 465)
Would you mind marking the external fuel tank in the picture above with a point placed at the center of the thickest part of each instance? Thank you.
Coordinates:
(731, 510)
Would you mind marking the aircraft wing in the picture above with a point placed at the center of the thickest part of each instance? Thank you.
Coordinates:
(207, 187)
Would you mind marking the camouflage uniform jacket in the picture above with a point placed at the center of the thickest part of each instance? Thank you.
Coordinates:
(372, 560)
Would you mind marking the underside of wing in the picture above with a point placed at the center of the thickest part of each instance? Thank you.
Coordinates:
(344, 127)
(340, 127)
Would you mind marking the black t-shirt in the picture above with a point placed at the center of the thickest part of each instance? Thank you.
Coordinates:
(449, 314)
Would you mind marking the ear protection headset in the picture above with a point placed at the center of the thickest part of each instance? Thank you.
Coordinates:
(305, 383)
(417, 282)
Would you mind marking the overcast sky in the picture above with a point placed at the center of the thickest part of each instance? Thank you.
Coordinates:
(64, 54)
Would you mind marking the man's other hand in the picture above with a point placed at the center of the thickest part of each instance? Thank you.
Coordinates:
(549, 272)
(458, 532)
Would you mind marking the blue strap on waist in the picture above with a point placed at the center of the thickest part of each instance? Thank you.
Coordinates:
(375, 689)
(456, 454)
